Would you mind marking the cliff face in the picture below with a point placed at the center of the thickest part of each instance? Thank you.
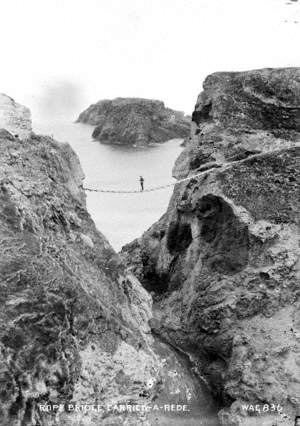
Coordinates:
(224, 259)
(14, 117)
(134, 121)
(73, 322)
(71, 319)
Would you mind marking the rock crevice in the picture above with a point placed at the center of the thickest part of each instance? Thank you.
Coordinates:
(14, 117)
(74, 323)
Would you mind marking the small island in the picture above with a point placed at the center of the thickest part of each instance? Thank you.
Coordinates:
(135, 122)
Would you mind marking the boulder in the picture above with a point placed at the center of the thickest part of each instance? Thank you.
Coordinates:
(75, 343)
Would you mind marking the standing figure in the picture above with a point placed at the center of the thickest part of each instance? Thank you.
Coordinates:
(142, 183)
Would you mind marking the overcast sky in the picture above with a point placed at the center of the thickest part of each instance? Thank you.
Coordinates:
(58, 56)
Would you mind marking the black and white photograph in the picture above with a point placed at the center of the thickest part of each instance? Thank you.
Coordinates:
(150, 213)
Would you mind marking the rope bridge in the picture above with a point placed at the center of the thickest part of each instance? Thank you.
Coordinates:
(224, 166)
(155, 188)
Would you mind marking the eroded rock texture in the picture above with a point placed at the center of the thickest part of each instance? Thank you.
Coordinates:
(223, 262)
(135, 121)
(14, 117)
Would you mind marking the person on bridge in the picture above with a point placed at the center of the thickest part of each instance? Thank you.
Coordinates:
(142, 183)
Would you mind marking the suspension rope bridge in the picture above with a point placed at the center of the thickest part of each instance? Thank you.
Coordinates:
(223, 166)
(155, 188)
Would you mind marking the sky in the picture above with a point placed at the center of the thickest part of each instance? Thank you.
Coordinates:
(59, 56)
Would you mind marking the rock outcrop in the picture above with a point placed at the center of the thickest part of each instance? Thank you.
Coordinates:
(223, 262)
(74, 326)
(135, 122)
(14, 117)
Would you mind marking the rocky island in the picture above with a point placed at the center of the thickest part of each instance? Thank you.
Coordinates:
(135, 122)
(223, 262)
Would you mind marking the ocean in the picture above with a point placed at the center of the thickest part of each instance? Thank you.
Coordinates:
(120, 217)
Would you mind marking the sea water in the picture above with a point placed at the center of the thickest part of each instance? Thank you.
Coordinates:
(120, 217)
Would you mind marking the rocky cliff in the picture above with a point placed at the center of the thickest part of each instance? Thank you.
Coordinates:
(135, 122)
(223, 262)
(14, 117)
(74, 326)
